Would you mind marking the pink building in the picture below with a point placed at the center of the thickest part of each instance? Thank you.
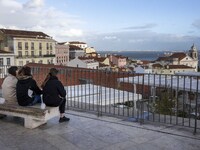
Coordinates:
(118, 60)
(62, 54)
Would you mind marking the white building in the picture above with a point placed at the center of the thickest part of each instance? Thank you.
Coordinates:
(181, 58)
(171, 69)
(7, 59)
(142, 69)
(82, 45)
(28, 46)
(84, 63)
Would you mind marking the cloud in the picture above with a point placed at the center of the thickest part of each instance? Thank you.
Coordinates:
(111, 38)
(142, 27)
(196, 24)
(72, 33)
(35, 15)
(13, 4)
(34, 3)
(143, 40)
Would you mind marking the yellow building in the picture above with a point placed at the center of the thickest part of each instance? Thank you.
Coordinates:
(28, 46)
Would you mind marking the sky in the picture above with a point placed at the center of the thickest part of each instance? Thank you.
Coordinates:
(109, 24)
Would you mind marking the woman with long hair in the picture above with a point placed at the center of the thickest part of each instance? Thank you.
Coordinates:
(54, 93)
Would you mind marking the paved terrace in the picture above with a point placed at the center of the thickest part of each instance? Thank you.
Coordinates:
(89, 132)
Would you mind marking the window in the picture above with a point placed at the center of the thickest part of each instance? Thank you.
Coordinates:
(1, 61)
(47, 46)
(50, 46)
(40, 53)
(40, 46)
(8, 61)
(26, 45)
(27, 62)
(19, 45)
(19, 54)
(40, 61)
(26, 53)
(32, 53)
(32, 46)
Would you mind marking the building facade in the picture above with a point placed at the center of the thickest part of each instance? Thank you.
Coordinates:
(189, 59)
(171, 69)
(84, 63)
(62, 54)
(118, 60)
(75, 51)
(28, 46)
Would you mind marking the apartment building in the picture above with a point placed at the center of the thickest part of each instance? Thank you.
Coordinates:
(28, 46)
(118, 60)
(62, 54)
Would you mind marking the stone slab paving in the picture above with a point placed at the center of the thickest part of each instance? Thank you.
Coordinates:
(88, 132)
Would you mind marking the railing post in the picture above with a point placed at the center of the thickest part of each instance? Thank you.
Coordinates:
(195, 123)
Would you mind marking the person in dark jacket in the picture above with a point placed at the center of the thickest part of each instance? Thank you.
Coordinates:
(27, 91)
(54, 93)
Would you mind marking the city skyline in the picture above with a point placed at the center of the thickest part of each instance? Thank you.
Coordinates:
(109, 24)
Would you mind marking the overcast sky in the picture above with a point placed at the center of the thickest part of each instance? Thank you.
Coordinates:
(109, 24)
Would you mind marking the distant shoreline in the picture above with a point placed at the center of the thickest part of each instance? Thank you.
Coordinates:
(139, 55)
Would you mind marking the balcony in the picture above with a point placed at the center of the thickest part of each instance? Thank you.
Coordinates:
(35, 56)
(49, 55)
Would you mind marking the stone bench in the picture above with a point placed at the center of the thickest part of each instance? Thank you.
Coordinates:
(33, 116)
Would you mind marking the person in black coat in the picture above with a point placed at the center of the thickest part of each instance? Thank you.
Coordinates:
(27, 91)
(54, 93)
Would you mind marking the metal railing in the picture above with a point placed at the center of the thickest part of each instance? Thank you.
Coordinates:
(168, 99)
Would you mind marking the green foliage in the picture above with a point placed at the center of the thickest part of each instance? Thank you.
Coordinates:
(164, 105)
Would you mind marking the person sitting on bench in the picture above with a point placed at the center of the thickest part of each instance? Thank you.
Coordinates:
(28, 93)
(54, 93)
(9, 86)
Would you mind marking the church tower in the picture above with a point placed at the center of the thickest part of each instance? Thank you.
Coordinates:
(193, 52)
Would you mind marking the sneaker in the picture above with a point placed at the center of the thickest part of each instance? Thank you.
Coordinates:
(64, 119)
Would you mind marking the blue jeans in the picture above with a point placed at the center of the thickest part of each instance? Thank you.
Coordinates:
(36, 99)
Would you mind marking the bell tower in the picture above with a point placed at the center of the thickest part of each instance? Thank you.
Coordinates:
(193, 52)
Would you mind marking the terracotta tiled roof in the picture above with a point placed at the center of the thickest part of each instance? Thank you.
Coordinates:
(76, 42)
(73, 47)
(157, 65)
(23, 33)
(162, 59)
(119, 56)
(179, 55)
(178, 67)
